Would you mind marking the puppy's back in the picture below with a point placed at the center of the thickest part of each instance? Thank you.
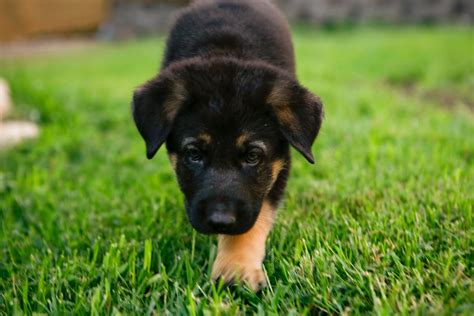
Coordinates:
(243, 29)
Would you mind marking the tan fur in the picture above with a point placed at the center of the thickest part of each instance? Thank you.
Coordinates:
(240, 257)
(205, 138)
(277, 166)
(175, 100)
(173, 160)
(279, 94)
(241, 140)
(279, 100)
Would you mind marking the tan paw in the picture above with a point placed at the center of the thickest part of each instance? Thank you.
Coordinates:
(251, 275)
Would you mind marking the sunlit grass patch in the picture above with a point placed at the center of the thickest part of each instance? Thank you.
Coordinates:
(381, 224)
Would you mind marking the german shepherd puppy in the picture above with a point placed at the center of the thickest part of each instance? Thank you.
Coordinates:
(228, 106)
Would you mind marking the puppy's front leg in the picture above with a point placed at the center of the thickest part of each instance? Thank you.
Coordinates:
(240, 257)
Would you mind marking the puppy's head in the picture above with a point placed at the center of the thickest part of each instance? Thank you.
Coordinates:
(227, 126)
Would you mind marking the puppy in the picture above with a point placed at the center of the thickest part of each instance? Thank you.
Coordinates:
(228, 106)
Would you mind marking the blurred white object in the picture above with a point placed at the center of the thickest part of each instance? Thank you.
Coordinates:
(5, 102)
(12, 133)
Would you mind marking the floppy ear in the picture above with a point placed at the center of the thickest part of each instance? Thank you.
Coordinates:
(299, 114)
(154, 106)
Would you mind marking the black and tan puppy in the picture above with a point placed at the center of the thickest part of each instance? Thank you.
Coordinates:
(228, 105)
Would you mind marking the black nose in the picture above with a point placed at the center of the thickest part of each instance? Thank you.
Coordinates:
(221, 215)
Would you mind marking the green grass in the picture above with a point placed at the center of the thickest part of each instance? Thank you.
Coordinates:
(382, 224)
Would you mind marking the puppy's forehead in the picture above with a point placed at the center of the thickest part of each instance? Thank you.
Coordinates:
(241, 140)
(233, 126)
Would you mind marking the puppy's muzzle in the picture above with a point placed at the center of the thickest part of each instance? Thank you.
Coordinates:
(221, 214)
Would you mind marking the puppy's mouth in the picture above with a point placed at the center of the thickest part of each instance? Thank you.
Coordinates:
(222, 230)
(223, 221)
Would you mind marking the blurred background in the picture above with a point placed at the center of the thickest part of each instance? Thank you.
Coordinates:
(124, 19)
(32, 29)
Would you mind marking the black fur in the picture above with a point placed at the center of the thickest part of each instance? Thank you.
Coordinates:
(228, 71)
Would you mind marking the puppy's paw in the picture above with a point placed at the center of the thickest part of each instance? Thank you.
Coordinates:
(235, 272)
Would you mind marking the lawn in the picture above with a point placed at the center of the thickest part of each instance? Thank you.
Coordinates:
(381, 224)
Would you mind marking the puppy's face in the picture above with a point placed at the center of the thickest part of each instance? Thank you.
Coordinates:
(227, 156)
(227, 127)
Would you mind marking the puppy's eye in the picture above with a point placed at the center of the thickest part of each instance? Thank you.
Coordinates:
(193, 154)
(253, 156)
